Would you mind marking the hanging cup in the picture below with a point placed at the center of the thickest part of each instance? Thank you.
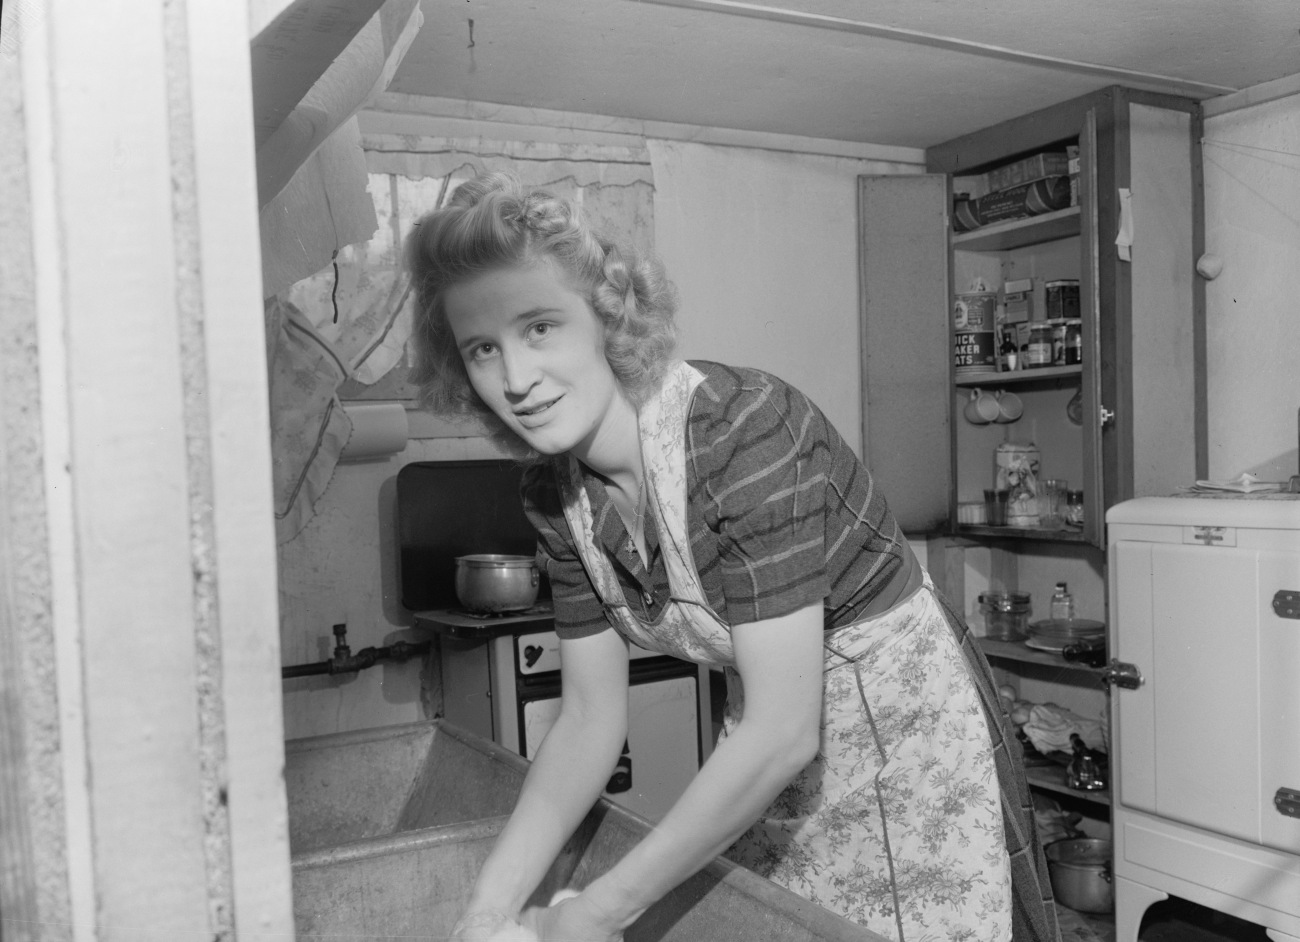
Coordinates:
(982, 408)
(1010, 407)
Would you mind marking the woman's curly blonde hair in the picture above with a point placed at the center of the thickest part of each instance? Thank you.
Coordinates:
(491, 222)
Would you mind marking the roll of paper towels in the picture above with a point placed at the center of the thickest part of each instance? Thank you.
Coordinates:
(379, 430)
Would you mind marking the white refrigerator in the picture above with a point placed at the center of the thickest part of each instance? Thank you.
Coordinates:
(1205, 647)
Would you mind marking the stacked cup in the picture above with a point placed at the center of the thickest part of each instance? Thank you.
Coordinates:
(1010, 407)
(984, 407)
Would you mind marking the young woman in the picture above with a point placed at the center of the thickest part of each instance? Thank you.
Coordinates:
(713, 513)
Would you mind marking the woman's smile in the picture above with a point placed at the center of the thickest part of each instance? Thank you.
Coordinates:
(534, 416)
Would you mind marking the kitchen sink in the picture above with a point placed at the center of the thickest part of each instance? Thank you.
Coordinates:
(388, 828)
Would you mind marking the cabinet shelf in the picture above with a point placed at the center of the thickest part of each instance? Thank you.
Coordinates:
(1049, 777)
(1041, 534)
(1014, 377)
(1052, 778)
(1015, 651)
(1001, 236)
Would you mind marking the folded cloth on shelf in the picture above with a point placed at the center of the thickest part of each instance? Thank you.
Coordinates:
(1053, 823)
(1245, 483)
(1049, 728)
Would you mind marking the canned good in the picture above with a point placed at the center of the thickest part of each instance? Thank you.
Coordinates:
(1038, 351)
(973, 320)
(1062, 299)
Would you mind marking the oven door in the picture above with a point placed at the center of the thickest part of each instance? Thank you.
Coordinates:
(662, 752)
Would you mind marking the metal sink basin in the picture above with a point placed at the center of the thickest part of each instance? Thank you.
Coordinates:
(388, 829)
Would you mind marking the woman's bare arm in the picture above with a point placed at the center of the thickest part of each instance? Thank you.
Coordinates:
(566, 777)
(780, 663)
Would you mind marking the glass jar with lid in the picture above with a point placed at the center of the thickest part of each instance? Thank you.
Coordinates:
(1038, 349)
(1006, 615)
(1016, 467)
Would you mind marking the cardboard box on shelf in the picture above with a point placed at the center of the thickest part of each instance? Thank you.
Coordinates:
(1028, 199)
(1072, 169)
(1026, 170)
(1017, 300)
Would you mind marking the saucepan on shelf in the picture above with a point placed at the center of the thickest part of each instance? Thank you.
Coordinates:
(496, 582)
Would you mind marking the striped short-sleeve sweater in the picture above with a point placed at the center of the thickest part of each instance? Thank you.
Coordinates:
(781, 513)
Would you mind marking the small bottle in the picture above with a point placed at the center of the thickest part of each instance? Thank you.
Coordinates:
(1074, 508)
(1008, 352)
(1073, 341)
(1062, 603)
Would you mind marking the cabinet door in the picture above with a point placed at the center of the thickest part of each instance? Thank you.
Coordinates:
(906, 312)
(1090, 309)
(1153, 375)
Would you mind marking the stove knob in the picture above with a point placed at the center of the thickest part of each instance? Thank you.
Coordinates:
(531, 654)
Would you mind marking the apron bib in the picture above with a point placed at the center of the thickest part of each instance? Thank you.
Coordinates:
(877, 827)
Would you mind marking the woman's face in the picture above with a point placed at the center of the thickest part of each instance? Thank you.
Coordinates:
(535, 354)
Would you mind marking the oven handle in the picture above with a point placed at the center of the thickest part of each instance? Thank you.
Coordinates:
(640, 671)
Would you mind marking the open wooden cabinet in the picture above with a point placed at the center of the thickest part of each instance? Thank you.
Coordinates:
(1130, 238)
(1142, 378)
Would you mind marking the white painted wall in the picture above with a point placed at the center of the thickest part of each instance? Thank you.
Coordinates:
(1252, 222)
(763, 248)
(342, 568)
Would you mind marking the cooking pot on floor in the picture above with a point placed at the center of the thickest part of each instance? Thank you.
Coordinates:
(1081, 874)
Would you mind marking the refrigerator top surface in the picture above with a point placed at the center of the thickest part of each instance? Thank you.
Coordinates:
(1252, 511)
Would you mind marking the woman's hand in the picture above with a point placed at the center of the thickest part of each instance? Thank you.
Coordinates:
(570, 918)
(490, 926)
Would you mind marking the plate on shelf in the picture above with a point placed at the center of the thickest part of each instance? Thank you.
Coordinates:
(1076, 629)
(1054, 647)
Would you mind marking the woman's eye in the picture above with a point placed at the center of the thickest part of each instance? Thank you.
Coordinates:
(539, 330)
(483, 351)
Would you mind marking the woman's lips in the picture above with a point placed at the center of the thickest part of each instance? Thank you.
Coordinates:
(535, 410)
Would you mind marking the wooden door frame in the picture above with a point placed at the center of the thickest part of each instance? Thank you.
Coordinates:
(141, 751)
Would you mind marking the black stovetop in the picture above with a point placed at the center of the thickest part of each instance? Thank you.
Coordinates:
(447, 509)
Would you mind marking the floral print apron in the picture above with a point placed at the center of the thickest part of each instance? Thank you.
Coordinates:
(896, 823)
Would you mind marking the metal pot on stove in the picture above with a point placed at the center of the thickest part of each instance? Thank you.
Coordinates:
(496, 582)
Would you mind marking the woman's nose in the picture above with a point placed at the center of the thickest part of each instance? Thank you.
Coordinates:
(520, 371)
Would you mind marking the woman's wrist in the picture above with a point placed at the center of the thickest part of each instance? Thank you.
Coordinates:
(485, 903)
(611, 904)
(478, 925)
